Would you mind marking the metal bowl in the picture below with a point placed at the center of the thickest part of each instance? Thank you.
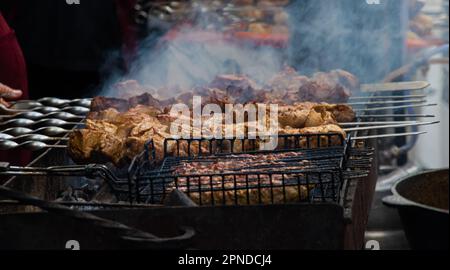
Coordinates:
(422, 202)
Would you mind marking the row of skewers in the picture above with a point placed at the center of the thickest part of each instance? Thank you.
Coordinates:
(44, 123)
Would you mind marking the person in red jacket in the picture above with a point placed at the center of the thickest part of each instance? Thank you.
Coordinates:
(13, 82)
(13, 74)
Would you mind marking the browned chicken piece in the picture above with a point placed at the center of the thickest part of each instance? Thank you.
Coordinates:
(342, 113)
(293, 118)
(319, 118)
(309, 114)
(324, 140)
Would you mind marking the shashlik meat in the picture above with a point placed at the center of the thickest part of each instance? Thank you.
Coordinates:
(334, 86)
(319, 141)
(116, 136)
(241, 182)
(117, 129)
(309, 114)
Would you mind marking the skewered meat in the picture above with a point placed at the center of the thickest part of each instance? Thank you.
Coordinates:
(309, 114)
(118, 128)
(117, 139)
(240, 88)
(288, 80)
(239, 184)
(265, 195)
(100, 103)
(319, 141)
(334, 86)
(98, 141)
(119, 136)
(322, 87)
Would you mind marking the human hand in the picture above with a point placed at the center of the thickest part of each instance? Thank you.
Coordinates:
(7, 93)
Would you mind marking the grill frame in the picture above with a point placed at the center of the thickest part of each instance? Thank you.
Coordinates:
(151, 181)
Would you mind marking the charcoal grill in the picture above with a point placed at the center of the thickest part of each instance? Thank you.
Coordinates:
(333, 210)
(328, 212)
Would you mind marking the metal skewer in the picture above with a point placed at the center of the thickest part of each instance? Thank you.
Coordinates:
(45, 109)
(391, 126)
(51, 101)
(74, 110)
(389, 135)
(29, 145)
(23, 122)
(376, 123)
(388, 102)
(397, 115)
(30, 137)
(396, 86)
(49, 131)
(394, 107)
(388, 97)
(37, 115)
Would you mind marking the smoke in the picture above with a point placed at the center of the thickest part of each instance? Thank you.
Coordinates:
(184, 64)
(365, 39)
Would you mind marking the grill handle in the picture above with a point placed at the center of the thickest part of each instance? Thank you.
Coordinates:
(135, 237)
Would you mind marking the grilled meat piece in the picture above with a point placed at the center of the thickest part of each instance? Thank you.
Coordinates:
(242, 188)
(103, 103)
(240, 88)
(144, 99)
(341, 112)
(98, 141)
(309, 114)
(334, 86)
(320, 141)
(118, 128)
(117, 139)
(288, 80)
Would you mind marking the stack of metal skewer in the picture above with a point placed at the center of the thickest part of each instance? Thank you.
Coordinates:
(41, 124)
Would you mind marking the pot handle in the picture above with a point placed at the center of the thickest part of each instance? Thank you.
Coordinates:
(395, 201)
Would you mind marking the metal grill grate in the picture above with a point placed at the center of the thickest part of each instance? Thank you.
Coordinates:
(304, 168)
